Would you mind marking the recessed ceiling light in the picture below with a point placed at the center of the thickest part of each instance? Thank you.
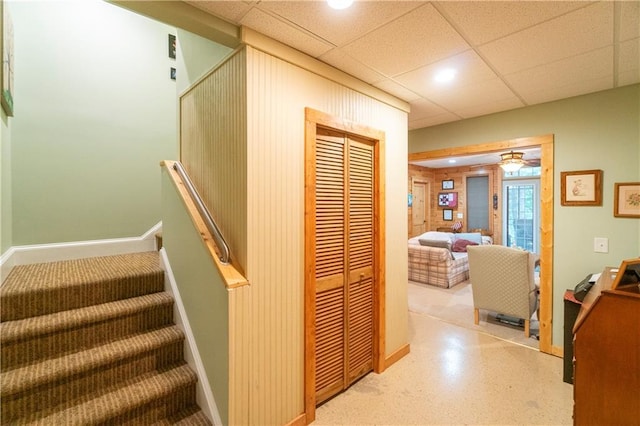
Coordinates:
(445, 75)
(339, 4)
(452, 161)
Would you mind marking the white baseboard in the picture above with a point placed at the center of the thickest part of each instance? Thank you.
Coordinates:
(39, 253)
(204, 395)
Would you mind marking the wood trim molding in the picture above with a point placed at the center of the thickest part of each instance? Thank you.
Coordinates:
(397, 355)
(231, 273)
(313, 120)
(300, 420)
(546, 143)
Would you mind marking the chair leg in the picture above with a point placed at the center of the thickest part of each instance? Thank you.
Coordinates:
(476, 316)
(526, 328)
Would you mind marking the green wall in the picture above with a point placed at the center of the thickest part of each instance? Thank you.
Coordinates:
(596, 131)
(95, 113)
(5, 184)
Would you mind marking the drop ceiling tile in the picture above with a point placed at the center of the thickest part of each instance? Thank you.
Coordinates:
(230, 10)
(422, 108)
(285, 33)
(490, 107)
(576, 89)
(484, 21)
(339, 26)
(432, 121)
(566, 73)
(489, 91)
(346, 63)
(470, 68)
(629, 62)
(629, 20)
(412, 41)
(396, 89)
(580, 31)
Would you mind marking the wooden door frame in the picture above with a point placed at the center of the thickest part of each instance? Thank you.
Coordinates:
(545, 142)
(313, 120)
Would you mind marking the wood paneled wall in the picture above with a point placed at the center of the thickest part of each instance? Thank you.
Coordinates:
(245, 122)
(213, 148)
(434, 177)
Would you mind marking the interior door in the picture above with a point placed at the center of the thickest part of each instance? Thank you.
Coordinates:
(418, 210)
(344, 278)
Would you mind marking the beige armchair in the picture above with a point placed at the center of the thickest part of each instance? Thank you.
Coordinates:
(502, 281)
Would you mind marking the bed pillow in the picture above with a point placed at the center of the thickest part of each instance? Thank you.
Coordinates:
(476, 237)
(460, 245)
(436, 235)
(437, 244)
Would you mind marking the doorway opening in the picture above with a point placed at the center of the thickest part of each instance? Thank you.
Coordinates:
(545, 145)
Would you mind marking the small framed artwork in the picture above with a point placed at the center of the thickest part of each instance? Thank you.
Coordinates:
(172, 46)
(6, 68)
(581, 188)
(447, 214)
(626, 201)
(410, 201)
(448, 199)
(447, 184)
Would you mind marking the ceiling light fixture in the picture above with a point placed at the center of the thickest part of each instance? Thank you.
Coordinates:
(446, 75)
(511, 161)
(339, 4)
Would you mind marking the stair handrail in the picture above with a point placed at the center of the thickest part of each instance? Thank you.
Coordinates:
(224, 253)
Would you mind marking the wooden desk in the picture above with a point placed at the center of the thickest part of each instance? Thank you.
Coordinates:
(607, 355)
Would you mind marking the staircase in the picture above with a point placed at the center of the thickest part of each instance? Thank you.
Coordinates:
(92, 341)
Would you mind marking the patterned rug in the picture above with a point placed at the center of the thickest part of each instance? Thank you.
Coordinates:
(455, 306)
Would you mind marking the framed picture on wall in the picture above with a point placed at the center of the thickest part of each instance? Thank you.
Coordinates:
(626, 201)
(448, 199)
(581, 188)
(447, 214)
(447, 184)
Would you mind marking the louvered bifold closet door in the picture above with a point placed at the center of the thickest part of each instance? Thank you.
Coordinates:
(360, 259)
(330, 264)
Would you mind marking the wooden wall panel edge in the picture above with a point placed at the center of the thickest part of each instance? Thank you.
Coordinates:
(380, 225)
(309, 282)
(546, 248)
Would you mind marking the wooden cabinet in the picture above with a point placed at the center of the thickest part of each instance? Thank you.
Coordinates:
(607, 355)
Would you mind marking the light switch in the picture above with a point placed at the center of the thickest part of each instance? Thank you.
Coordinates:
(460, 215)
(601, 245)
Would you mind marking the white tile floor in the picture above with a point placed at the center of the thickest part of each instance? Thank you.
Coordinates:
(456, 376)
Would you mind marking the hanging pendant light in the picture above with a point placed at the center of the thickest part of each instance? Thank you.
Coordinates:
(511, 161)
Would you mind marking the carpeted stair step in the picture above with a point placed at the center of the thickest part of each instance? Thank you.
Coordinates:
(37, 338)
(41, 289)
(56, 381)
(149, 399)
(192, 416)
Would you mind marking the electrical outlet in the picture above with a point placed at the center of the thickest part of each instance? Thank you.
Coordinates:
(601, 245)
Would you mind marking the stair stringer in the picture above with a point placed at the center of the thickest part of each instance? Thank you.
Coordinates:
(204, 394)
